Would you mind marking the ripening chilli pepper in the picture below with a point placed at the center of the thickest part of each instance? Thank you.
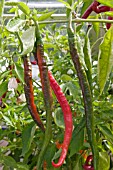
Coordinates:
(43, 69)
(88, 164)
(67, 119)
(86, 95)
(85, 87)
(108, 25)
(96, 8)
(90, 9)
(28, 88)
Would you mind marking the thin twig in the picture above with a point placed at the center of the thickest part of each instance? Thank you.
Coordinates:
(77, 20)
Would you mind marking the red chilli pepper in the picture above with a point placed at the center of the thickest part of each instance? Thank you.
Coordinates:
(95, 7)
(91, 8)
(28, 88)
(67, 119)
(108, 25)
(88, 165)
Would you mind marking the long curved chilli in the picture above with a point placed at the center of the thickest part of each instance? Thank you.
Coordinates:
(40, 58)
(28, 88)
(67, 118)
(86, 91)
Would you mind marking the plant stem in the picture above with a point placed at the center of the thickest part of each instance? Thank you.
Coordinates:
(77, 20)
(1, 8)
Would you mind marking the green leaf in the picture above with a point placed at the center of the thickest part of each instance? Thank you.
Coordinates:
(4, 74)
(11, 3)
(8, 120)
(87, 59)
(14, 24)
(109, 13)
(104, 161)
(19, 71)
(28, 39)
(73, 89)
(96, 25)
(79, 127)
(57, 154)
(3, 87)
(77, 143)
(77, 164)
(9, 161)
(58, 118)
(105, 59)
(21, 5)
(107, 3)
(27, 137)
(45, 16)
(65, 3)
(22, 166)
(24, 8)
(106, 132)
(65, 78)
(50, 154)
(86, 4)
(80, 46)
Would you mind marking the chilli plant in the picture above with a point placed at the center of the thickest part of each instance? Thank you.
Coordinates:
(56, 87)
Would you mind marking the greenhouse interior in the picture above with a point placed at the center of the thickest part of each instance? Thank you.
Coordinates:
(56, 85)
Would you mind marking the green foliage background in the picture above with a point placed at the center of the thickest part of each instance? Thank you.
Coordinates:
(95, 48)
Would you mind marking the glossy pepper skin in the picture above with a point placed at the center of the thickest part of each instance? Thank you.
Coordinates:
(88, 165)
(96, 8)
(85, 87)
(67, 119)
(28, 88)
(91, 8)
(43, 69)
(108, 25)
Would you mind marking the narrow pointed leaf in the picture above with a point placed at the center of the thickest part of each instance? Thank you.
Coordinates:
(3, 88)
(27, 137)
(65, 3)
(45, 16)
(106, 132)
(24, 8)
(109, 13)
(105, 61)
(21, 5)
(19, 71)
(87, 58)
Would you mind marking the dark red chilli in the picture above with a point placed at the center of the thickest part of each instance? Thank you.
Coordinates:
(28, 88)
(88, 164)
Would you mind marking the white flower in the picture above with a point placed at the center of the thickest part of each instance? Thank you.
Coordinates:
(12, 83)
